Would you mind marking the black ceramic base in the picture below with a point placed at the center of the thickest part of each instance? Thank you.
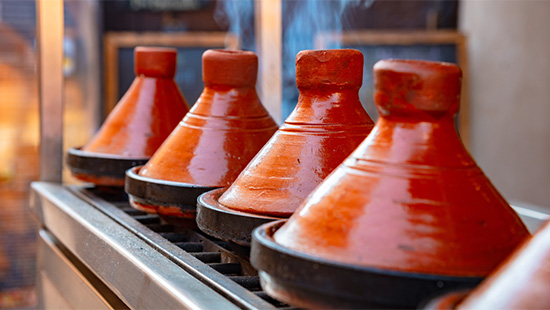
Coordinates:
(166, 198)
(100, 169)
(306, 281)
(221, 222)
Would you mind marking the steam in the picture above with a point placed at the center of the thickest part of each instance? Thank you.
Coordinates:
(306, 20)
(238, 16)
(303, 22)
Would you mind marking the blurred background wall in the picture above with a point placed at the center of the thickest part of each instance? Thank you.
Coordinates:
(19, 126)
(18, 150)
(509, 59)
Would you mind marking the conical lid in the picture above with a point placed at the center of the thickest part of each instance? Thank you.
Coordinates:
(327, 124)
(522, 282)
(410, 198)
(148, 112)
(223, 131)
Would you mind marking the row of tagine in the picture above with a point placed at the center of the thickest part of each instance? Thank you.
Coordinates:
(339, 211)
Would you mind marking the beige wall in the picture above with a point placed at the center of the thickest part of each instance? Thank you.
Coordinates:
(509, 59)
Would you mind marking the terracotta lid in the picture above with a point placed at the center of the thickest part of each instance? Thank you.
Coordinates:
(226, 127)
(410, 198)
(327, 124)
(522, 282)
(147, 112)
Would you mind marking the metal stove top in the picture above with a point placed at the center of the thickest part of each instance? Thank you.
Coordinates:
(146, 263)
(130, 259)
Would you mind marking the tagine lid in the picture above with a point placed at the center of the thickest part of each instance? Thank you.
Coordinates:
(327, 124)
(410, 198)
(139, 123)
(222, 132)
(147, 113)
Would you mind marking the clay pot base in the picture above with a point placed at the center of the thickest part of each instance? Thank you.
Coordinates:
(218, 221)
(306, 281)
(100, 169)
(172, 201)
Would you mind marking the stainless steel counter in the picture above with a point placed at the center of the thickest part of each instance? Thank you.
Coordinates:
(128, 272)
(93, 255)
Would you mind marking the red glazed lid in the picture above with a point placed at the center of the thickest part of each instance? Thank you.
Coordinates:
(522, 282)
(157, 62)
(148, 111)
(328, 123)
(226, 127)
(410, 198)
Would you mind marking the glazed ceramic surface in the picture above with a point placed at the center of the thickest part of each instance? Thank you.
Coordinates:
(410, 198)
(148, 112)
(327, 124)
(523, 282)
(226, 127)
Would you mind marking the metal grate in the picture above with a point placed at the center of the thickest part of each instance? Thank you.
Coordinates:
(223, 266)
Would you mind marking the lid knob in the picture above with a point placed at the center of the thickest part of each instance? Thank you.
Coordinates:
(405, 86)
(155, 61)
(341, 68)
(229, 67)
